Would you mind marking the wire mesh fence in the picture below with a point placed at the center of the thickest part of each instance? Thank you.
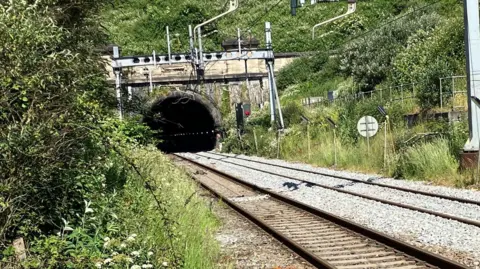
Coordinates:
(452, 94)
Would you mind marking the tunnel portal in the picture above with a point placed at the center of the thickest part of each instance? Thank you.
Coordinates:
(187, 122)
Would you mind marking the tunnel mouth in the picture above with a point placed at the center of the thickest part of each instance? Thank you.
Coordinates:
(186, 122)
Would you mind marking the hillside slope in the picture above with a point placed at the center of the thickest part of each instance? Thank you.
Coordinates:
(139, 25)
(384, 42)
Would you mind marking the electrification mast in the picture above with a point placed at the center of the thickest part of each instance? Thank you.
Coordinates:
(198, 29)
(472, 47)
(352, 7)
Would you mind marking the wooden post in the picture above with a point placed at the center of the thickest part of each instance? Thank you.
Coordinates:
(278, 144)
(308, 142)
(335, 146)
(256, 142)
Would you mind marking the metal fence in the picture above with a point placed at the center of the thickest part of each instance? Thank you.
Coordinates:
(452, 94)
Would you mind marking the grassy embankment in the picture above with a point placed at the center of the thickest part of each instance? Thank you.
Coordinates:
(384, 44)
(78, 187)
(409, 154)
(415, 47)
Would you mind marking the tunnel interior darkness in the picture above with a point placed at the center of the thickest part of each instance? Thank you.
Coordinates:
(186, 123)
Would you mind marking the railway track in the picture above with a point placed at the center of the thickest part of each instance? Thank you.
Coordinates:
(223, 158)
(446, 197)
(325, 240)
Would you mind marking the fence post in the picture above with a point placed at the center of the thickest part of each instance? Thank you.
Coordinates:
(441, 94)
(256, 141)
(453, 92)
(335, 146)
(308, 141)
(278, 144)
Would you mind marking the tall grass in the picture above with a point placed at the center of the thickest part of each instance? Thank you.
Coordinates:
(408, 153)
(431, 160)
(358, 156)
(192, 223)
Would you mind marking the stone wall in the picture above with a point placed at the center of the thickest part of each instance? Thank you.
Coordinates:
(222, 75)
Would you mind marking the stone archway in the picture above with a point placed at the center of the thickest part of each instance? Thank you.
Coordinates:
(188, 122)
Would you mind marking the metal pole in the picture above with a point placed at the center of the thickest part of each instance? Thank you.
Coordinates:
(119, 94)
(272, 102)
(453, 93)
(247, 82)
(200, 47)
(282, 125)
(352, 6)
(239, 41)
(268, 39)
(385, 145)
(150, 79)
(192, 45)
(368, 135)
(472, 46)
(169, 48)
(268, 42)
(233, 7)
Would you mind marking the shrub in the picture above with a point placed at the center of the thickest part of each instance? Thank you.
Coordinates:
(53, 87)
(155, 218)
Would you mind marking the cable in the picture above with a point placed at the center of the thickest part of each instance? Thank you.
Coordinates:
(256, 20)
(309, 6)
(387, 23)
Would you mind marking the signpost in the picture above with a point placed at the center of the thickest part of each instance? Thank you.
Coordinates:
(367, 127)
(382, 111)
(307, 120)
(334, 127)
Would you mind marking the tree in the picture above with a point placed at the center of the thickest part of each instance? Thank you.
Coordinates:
(53, 87)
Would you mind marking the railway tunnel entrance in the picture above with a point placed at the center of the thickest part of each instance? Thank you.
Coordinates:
(186, 121)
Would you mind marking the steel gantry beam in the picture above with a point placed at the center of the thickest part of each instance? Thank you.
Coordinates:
(119, 62)
(153, 60)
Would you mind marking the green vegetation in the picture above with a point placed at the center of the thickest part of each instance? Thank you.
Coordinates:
(382, 46)
(164, 224)
(139, 25)
(81, 188)
(409, 154)
(84, 190)
(418, 46)
(429, 160)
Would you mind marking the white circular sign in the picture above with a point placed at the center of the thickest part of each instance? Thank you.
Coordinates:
(367, 126)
